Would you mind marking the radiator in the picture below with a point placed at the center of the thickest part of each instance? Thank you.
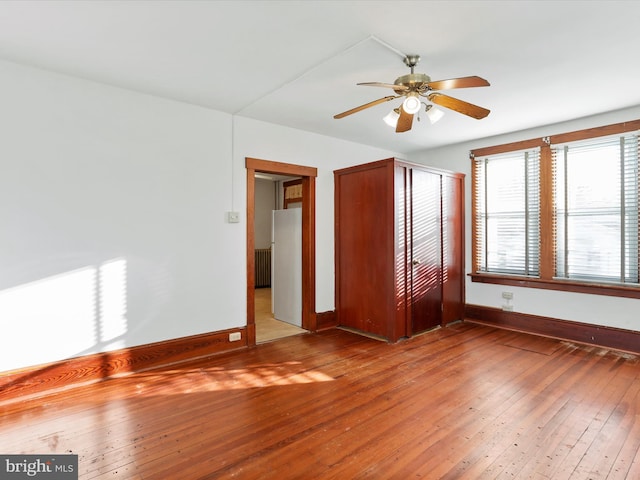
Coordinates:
(263, 267)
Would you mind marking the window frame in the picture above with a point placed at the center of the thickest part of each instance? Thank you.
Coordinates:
(546, 279)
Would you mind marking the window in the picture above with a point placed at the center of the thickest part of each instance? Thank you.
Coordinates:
(559, 212)
(596, 209)
(508, 212)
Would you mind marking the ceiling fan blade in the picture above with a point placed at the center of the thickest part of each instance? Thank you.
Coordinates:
(386, 85)
(462, 82)
(366, 105)
(459, 106)
(405, 121)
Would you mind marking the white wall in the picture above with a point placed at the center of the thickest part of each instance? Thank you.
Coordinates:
(113, 215)
(265, 203)
(112, 212)
(593, 309)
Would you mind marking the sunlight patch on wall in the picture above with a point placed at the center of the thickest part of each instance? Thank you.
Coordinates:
(70, 314)
(112, 303)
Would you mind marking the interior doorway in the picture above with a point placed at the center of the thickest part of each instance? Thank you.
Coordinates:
(278, 256)
(306, 177)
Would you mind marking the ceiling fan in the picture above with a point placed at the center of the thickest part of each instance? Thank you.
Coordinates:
(416, 85)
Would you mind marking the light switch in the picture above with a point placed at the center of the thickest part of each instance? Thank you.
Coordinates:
(233, 217)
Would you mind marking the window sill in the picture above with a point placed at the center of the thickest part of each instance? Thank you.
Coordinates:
(561, 285)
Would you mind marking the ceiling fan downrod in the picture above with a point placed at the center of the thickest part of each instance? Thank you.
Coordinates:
(411, 61)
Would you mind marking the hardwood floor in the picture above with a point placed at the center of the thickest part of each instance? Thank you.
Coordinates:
(267, 327)
(464, 402)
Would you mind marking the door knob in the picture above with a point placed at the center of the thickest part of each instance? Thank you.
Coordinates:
(416, 262)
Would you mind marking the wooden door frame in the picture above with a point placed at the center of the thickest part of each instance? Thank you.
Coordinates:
(308, 175)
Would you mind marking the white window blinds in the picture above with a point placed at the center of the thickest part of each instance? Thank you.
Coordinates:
(596, 209)
(507, 212)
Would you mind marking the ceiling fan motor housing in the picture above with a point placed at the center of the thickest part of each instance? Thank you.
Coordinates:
(416, 82)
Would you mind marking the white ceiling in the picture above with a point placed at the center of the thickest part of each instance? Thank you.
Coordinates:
(296, 63)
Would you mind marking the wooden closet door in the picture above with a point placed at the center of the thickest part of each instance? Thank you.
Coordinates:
(426, 261)
(452, 248)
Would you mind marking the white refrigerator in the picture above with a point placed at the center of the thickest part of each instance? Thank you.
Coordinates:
(286, 265)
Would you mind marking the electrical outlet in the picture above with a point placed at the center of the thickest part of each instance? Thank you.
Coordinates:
(235, 336)
(507, 295)
(507, 308)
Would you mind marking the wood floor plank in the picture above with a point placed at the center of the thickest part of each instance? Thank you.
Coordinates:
(477, 426)
(463, 402)
(536, 410)
(440, 404)
(595, 410)
(630, 449)
(398, 408)
(602, 452)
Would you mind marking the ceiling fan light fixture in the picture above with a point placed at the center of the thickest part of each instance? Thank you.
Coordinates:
(415, 86)
(434, 114)
(411, 104)
(392, 117)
